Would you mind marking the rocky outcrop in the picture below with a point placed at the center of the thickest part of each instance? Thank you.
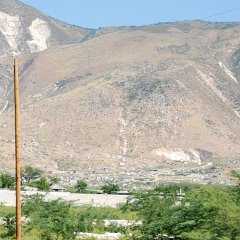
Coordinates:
(25, 29)
(184, 155)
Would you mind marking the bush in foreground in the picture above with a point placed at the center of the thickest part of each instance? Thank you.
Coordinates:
(204, 213)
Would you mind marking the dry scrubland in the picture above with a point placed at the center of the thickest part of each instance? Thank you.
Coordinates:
(106, 104)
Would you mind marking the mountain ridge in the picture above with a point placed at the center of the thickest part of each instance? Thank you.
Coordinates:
(31, 31)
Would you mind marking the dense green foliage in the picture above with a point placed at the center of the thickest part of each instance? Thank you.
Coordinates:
(204, 213)
(81, 186)
(7, 181)
(34, 177)
(90, 219)
(109, 188)
(41, 184)
(236, 189)
(9, 225)
(30, 174)
(53, 220)
(59, 220)
(4, 211)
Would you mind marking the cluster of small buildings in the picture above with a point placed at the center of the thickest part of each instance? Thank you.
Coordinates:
(207, 173)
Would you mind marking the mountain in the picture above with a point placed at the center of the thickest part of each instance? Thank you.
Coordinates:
(132, 104)
(24, 29)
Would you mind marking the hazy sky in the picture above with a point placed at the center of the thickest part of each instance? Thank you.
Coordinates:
(102, 13)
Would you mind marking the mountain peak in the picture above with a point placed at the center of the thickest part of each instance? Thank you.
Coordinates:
(24, 29)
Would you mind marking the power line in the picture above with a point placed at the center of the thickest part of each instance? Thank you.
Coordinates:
(221, 13)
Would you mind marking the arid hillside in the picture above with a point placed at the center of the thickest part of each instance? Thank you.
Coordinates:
(24, 29)
(163, 96)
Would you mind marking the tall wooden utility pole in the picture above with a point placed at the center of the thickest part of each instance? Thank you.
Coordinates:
(17, 153)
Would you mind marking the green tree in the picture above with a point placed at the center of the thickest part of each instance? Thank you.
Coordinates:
(236, 188)
(54, 220)
(7, 181)
(204, 213)
(9, 225)
(109, 188)
(81, 186)
(42, 184)
(209, 214)
(30, 174)
(156, 210)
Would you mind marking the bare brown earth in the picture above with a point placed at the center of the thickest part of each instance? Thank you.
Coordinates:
(112, 100)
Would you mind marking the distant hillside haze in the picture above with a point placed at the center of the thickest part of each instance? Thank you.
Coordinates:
(124, 98)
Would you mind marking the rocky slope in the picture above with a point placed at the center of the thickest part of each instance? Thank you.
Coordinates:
(24, 29)
(123, 98)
